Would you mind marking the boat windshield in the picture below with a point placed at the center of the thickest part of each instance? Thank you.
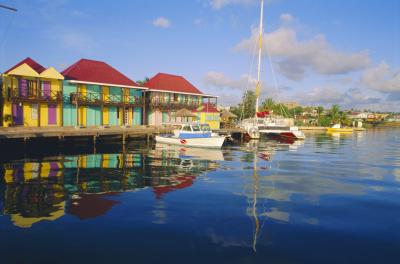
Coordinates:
(196, 128)
(205, 128)
(186, 128)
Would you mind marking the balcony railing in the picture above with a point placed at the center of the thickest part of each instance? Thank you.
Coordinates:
(98, 99)
(34, 96)
(162, 103)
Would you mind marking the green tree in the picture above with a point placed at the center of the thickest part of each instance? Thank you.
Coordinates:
(246, 108)
(268, 104)
(320, 110)
(325, 121)
(334, 113)
(142, 82)
(344, 119)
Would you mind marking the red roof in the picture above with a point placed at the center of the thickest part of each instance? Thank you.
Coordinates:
(33, 64)
(171, 83)
(207, 107)
(96, 72)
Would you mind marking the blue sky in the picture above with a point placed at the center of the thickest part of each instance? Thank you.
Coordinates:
(322, 52)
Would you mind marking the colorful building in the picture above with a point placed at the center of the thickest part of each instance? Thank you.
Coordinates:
(96, 94)
(208, 113)
(31, 96)
(168, 94)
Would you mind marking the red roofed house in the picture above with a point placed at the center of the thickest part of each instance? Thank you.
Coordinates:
(31, 95)
(169, 93)
(99, 95)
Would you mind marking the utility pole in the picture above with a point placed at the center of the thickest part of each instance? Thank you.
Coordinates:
(9, 8)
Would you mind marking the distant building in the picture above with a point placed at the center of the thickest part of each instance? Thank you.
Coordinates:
(290, 105)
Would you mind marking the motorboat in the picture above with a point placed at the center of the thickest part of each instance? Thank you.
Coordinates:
(338, 128)
(192, 135)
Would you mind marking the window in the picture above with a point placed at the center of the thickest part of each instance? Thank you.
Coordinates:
(196, 128)
(34, 113)
(32, 91)
(176, 97)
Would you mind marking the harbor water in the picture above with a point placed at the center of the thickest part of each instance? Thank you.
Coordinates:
(333, 198)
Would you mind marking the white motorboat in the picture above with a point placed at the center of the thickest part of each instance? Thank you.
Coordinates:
(192, 135)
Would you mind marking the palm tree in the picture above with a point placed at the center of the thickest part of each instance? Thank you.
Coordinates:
(268, 104)
(335, 116)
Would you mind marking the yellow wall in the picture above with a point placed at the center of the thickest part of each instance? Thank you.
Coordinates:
(9, 81)
(82, 116)
(106, 91)
(28, 121)
(44, 115)
(130, 116)
(214, 122)
(105, 116)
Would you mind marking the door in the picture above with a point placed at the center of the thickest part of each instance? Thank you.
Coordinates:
(52, 115)
(46, 90)
(17, 113)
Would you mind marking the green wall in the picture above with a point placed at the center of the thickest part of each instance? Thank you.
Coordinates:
(112, 116)
(69, 110)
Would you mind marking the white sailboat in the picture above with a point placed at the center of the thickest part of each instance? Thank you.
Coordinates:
(266, 125)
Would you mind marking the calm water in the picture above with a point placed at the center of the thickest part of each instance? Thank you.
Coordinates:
(330, 199)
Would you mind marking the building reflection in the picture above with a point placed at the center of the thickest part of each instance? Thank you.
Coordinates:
(86, 186)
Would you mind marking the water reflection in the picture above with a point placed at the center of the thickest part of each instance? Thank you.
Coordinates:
(247, 203)
(84, 186)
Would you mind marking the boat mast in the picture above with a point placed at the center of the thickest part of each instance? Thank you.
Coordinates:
(260, 41)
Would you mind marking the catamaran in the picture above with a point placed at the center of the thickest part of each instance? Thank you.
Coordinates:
(266, 125)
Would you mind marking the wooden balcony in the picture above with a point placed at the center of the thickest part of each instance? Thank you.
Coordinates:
(96, 99)
(33, 96)
(162, 104)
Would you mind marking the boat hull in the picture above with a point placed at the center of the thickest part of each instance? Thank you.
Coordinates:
(342, 130)
(212, 142)
(296, 134)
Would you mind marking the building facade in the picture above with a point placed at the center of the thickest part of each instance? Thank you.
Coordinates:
(96, 94)
(169, 93)
(31, 96)
(92, 93)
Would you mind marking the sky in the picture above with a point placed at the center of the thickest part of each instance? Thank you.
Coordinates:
(344, 52)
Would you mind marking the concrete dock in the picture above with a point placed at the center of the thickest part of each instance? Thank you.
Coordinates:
(70, 132)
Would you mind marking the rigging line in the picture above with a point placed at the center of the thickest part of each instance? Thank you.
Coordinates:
(283, 112)
(248, 78)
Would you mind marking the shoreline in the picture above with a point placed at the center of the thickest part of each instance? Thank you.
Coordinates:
(318, 128)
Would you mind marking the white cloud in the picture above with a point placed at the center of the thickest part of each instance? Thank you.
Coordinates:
(382, 78)
(219, 4)
(218, 79)
(162, 22)
(231, 90)
(328, 95)
(286, 18)
(294, 57)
